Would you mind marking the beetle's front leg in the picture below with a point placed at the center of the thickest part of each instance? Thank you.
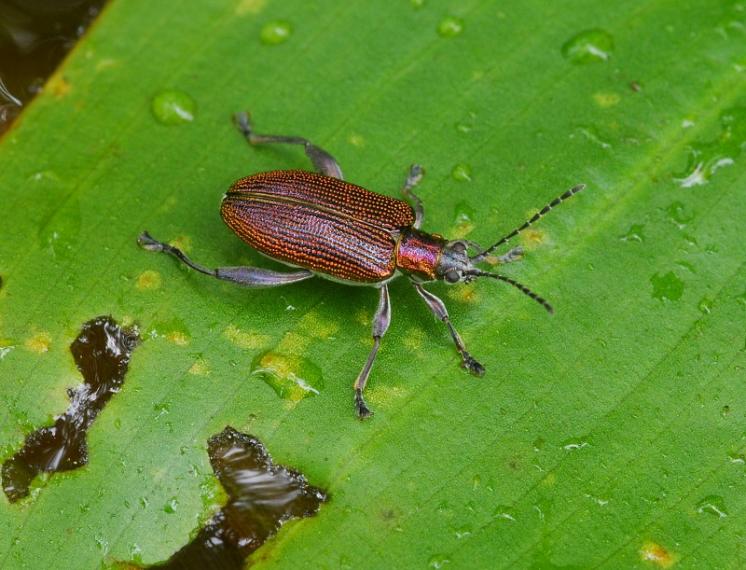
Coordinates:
(246, 276)
(440, 311)
(322, 160)
(381, 322)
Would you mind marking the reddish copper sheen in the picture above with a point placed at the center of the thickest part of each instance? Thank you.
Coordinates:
(317, 222)
(419, 253)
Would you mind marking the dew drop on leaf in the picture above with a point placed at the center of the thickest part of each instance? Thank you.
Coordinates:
(450, 26)
(588, 46)
(275, 32)
(173, 108)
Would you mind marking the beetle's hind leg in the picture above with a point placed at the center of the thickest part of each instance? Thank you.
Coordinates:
(246, 276)
(381, 322)
(416, 172)
(322, 160)
(440, 311)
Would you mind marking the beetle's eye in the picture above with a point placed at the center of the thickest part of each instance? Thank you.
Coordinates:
(459, 247)
(452, 276)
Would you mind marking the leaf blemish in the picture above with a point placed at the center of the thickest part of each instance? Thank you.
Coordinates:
(39, 342)
(102, 352)
(148, 280)
(657, 554)
(262, 497)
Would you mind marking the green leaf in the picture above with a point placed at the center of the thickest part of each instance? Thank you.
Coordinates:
(611, 433)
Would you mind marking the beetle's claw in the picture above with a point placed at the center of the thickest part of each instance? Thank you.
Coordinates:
(146, 241)
(243, 122)
(472, 365)
(363, 411)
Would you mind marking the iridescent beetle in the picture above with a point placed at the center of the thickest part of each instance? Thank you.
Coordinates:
(327, 227)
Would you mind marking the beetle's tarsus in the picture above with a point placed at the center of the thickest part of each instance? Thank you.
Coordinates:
(363, 411)
(243, 122)
(146, 241)
(470, 364)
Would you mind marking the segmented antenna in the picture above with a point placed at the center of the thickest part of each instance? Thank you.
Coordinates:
(535, 218)
(522, 288)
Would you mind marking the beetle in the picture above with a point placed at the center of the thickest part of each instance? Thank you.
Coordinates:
(322, 225)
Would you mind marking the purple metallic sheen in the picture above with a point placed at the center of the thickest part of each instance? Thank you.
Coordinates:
(419, 253)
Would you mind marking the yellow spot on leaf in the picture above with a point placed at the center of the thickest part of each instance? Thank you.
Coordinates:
(532, 238)
(461, 229)
(362, 316)
(39, 343)
(383, 395)
(657, 554)
(606, 100)
(184, 243)
(414, 339)
(549, 480)
(58, 86)
(199, 368)
(246, 340)
(149, 280)
(464, 293)
(356, 140)
(250, 7)
(178, 338)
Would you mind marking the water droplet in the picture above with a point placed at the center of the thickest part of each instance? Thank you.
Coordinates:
(591, 134)
(438, 561)
(705, 305)
(173, 108)
(463, 223)
(588, 46)
(171, 505)
(706, 158)
(417, 3)
(503, 513)
(5, 349)
(737, 458)
(634, 233)
(476, 482)
(679, 214)
(667, 287)
(291, 377)
(538, 444)
(275, 32)
(461, 172)
(574, 444)
(462, 532)
(450, 26)
(713, 505)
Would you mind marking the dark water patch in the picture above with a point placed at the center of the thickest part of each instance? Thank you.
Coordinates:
(262, 496)
(34, 37)
(102, 353)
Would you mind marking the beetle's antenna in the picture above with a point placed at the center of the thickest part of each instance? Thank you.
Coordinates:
(522, 288)
(535, 218)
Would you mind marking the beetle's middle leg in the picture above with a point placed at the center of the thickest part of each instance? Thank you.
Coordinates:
(247, 276)
(322, 160)
(381, 322)
(416, 172)
(440, 311)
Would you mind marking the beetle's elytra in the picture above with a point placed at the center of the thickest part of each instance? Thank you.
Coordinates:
(323, 226)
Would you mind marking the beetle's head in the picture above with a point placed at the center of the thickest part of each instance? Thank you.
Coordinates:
(454, 264)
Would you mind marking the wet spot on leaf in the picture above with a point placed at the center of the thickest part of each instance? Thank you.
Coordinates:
(262, 497)
(292, 377)
(173, 108)
(102, 353)
(588, 46)
(276, 32)
(634, 233)
(657, 554)
(713, 505)
(705, 158)
(667, 287)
